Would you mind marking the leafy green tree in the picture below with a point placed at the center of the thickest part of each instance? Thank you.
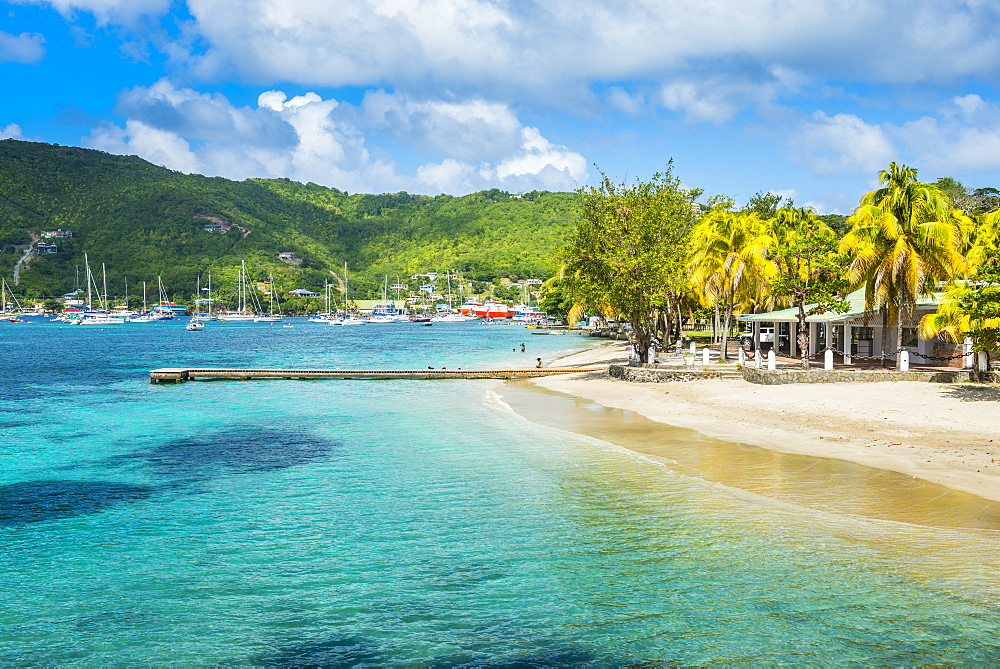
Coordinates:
(765, 205)
(809, 269)
(971, 310)
(905, 240)
(628, 250)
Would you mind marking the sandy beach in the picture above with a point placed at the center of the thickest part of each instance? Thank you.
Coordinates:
(945, 434)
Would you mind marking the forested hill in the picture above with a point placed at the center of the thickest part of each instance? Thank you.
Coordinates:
(142, 221)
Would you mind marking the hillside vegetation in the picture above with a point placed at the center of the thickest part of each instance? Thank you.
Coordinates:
(143, 221)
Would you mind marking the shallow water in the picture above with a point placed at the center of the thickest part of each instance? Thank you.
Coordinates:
(415, 522)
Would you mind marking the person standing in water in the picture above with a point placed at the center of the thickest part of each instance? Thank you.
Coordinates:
(539, 365)
(522, 348)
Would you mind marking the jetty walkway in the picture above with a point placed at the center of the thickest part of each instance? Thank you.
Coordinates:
(181, 374)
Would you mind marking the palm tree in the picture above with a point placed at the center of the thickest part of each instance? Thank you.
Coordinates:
(729, 263)
(904, 241)
(809, 273)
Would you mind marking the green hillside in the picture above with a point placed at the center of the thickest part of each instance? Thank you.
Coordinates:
(142, 221)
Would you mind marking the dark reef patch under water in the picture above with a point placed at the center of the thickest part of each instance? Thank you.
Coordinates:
(37, 501)
(241, 450)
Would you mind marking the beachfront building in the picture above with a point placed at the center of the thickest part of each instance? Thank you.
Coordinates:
(857, 332)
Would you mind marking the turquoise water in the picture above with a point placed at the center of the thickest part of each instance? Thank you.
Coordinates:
(414, 523)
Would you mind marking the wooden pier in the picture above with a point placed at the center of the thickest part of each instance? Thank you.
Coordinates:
(181, 374)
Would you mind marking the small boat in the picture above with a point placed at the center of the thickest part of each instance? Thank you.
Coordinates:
(287, 325)
(14, 319)
(195, 326)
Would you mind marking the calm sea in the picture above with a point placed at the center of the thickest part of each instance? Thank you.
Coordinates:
(418, 523)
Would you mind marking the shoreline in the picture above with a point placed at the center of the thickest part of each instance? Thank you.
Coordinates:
(938, 433)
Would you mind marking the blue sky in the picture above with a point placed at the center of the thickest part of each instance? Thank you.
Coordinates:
(807, 99)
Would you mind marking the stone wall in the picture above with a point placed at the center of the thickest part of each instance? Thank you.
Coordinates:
(779, 377)
(647, 374)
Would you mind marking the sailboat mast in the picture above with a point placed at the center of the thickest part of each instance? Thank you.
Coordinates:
(104, 279)
(144, 296)
(86, 265)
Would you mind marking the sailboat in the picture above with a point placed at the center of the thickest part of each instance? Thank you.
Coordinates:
(380, 313)
(206, 315)
(99, 317)
(12, 315)
(328, 315)
(241, 314)
(350, 319)
(146, 316)
(270, 316)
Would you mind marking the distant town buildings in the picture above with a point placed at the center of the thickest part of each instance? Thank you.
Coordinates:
(213, 227)
(57, 234)
(44, 248)
(286, 255)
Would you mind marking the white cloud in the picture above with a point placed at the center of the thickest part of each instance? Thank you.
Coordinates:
(157, 146)
(842, 143)
(11, 131)
(711, 59)
(630, 103)
(464, 146)
(554, 50)
(26, 48)
(123, 12)
(962, 137)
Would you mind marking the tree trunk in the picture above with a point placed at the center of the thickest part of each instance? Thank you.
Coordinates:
(724, 353)
(715, 324)
(885, 326)
(899, 337)
(680, 320)
(641, 339)
(802, 336)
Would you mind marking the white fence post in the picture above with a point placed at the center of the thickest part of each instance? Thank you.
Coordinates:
(741, 357)
(904, 361)
(771, 363)
(983, 365)
(828, 360)
(704, 356)
(970, 357)
(756, 358)
(693, 348)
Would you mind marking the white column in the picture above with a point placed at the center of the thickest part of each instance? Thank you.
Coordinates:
(848, 335)
(970, 357)
(828, 360)
(904, 361)
(793, 340)
(770, 360)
